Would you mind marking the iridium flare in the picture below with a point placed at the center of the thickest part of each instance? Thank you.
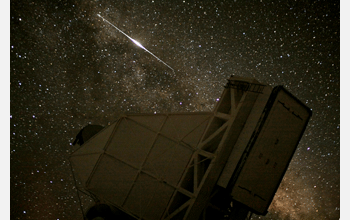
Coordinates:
(135, 42)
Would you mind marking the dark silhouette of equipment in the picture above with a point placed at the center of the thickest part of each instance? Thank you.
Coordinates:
(102, 211)
(224, 164)
(86, 133)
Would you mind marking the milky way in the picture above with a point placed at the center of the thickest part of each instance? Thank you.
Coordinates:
(69, 69)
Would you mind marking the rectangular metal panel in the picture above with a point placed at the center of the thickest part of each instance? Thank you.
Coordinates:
(149, 197)
(167, 160)
(273, 147)
(131, 142)
(112, 180)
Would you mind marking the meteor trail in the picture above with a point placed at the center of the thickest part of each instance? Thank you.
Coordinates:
(136, 42)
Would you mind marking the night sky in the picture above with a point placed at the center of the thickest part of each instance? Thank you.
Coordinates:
(69, 68)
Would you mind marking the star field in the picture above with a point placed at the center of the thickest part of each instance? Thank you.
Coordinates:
(69, 68)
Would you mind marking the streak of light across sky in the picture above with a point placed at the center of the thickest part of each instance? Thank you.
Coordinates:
(136, 42)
